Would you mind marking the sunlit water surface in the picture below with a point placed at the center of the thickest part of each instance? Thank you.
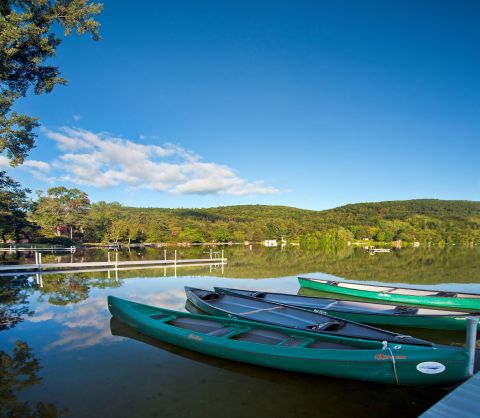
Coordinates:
(63, 355)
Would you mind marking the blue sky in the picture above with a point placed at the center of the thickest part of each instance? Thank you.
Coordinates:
(312, 104)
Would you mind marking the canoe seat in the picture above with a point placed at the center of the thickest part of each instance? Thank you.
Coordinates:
(196, 324)
(294, 342)
(261, 336)
(259, 295)
(332, 283)
(326, 326)
(220, 332)
(332, 346)
(405, 310)
(446, 294)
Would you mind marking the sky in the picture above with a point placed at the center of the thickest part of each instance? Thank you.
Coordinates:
(312, 104)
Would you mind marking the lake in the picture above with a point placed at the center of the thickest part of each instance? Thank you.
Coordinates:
(63, 355)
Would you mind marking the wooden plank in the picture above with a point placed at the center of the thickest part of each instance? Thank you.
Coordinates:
(462, 402)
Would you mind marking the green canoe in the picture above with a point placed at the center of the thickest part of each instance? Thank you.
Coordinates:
(396, 294)
(364, 312)
(299, 351)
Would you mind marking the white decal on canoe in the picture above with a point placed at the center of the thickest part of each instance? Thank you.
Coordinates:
(430, 367)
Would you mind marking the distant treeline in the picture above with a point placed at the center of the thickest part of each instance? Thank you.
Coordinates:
(68, 213)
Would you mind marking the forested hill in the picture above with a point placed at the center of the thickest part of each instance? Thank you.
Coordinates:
(438, 222)
(428, 220)
(403, 209)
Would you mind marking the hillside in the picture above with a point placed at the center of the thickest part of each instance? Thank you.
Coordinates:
(426, 220)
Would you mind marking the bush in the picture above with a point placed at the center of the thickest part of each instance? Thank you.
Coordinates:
(63, 241)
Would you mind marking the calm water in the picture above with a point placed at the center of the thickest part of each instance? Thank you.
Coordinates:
(63, 355)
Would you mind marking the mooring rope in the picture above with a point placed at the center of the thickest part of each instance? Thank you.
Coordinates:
(394, 365)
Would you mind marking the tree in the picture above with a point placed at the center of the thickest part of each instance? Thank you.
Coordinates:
(62, 209)
(191, 234)
(27, 40)
(14, 207)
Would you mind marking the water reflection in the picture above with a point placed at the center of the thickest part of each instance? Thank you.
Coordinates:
(253, 391)
(20, 371)
(407, 265)
(64, 319)
(14, 306)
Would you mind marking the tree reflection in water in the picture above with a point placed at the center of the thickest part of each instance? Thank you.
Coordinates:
(19, 371)
(14, 292)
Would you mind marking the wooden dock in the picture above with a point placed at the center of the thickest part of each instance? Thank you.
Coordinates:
(39, 267)
(460, 403)
(14, 249)
(373, 250)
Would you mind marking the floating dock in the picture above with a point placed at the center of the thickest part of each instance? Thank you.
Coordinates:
(14, 249)
(39, 267)
(460, 403)
(374, 250)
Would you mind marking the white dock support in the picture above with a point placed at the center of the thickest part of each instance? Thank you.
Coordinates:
(116, 259)
(472, 323)
(222, 262)
(175, 264)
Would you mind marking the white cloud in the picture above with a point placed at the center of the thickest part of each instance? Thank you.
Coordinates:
(103, 160)
(4, 162)
(37, 165)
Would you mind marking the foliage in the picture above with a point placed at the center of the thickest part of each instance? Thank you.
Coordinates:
(62, 241)
(28, 38)
(14, 207)
(61, 208)
(432, 222)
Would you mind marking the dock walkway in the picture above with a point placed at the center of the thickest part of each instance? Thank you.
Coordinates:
(462, 402)
(39, 267)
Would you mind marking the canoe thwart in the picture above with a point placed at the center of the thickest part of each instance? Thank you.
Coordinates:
(326, 326)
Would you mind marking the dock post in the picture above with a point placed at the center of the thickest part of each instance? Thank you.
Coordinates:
(36, 258)
(222, 262)
(40, 261)
(108, 256)
(472, 322)
(165, 256)
(116, 259)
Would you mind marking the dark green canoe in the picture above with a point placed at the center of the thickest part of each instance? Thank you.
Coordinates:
(396, 294)
(238, 307)
(364, 312)
(300, 351)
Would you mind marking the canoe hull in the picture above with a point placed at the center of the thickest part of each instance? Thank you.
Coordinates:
(445, 302)
(446, 322)
(374, 365)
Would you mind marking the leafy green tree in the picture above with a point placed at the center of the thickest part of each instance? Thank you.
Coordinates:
(62, 209)
(192, 234)
(28, 38)
(14, 207)
(118, 230)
